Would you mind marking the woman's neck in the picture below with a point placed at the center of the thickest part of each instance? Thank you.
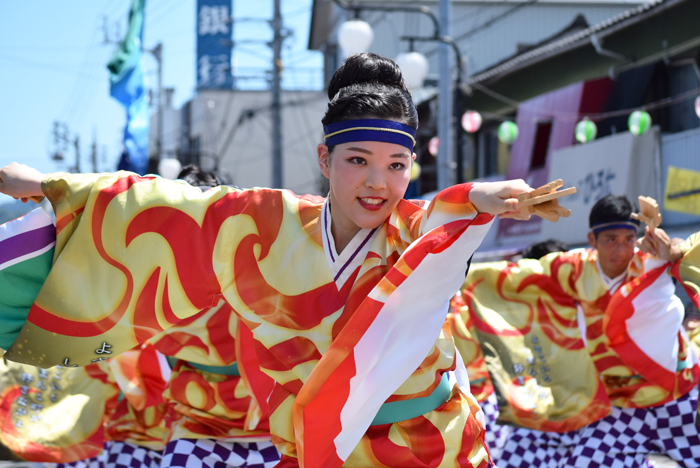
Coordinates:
(342, 228)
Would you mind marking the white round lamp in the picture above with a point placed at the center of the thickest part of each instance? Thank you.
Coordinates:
(414, 67)
(355, 36)
(169, 168)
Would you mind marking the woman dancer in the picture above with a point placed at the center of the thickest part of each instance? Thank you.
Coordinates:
(346, 297)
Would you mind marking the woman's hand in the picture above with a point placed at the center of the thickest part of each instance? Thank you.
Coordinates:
(21, 181)
(499, 198)
(658, 244)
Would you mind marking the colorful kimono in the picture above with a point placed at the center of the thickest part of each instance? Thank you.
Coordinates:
(356, 342)
(562, 348)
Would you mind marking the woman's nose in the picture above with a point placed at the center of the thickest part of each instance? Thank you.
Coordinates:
(375, 180)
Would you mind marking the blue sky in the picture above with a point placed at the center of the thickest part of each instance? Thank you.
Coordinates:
(52, 67)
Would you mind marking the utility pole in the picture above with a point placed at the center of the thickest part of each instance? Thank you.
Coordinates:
(60, 141)
(444, 168)
(278, 38)
(93, 152)
(157, 53)
(76, 144)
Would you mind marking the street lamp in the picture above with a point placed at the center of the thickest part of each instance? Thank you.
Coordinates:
(355, 36)
(169, 168)
(414, 67)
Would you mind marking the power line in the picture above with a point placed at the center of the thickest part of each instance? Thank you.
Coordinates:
(46, 66)
(488, 23)
(491, 21)
(166, 14)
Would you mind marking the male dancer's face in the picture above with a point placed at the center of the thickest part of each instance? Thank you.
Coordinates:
(615, 249)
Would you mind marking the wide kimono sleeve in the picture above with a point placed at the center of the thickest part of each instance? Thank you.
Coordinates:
(134, 256)
(525, 315)
(643, 325)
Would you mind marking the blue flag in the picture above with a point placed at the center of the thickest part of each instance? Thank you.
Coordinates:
(126, 86)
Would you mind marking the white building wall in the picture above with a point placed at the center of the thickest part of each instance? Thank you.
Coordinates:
(247, 158)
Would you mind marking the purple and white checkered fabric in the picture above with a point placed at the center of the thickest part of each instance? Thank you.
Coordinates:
(525, 448)
(495, 434)
(95, 462)
(126, 455)
(627, 436)
(212, 453)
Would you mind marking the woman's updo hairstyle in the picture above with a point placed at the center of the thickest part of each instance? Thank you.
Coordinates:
(368, 86)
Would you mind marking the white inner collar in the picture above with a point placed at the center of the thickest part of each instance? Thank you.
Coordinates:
(344, 264)
(611, 283)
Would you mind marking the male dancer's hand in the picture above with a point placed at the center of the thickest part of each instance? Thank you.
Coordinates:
(658, 244)
(21, 181)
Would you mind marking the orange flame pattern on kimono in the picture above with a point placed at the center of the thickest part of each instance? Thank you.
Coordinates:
(54, 415)
(169, 251)
(141, 414)
(526, 317)
(467, 343)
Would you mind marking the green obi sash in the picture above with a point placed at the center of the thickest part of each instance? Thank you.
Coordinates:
(222, 370)
(396, 411)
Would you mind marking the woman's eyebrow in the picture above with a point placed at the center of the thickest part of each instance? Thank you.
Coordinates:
(400, 155)
(360, 150)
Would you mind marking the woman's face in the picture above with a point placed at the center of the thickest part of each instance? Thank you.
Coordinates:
(367, 181)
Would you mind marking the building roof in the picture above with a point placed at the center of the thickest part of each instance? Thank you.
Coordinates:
(658, 30)
(571, 40)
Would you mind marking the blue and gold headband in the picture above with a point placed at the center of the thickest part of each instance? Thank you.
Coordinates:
(387, 131)
(630, 224)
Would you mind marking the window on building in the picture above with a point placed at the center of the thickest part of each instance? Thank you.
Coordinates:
(541, 147)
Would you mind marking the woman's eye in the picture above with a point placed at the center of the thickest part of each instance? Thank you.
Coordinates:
(398, 166)
(356, 160)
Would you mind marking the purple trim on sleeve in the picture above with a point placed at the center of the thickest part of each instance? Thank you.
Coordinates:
(26, 243)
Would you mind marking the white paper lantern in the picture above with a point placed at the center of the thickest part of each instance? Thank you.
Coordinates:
(169, 168)
(355, 36)
(697, 106)
(414, 67)
(434, 146)
(471, 121)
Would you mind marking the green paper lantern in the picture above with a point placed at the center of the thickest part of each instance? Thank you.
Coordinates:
(639, 122)
(507, 132)
(586, 131)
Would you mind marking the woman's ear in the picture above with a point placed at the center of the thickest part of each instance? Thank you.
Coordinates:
(414, 156)
(324, 160)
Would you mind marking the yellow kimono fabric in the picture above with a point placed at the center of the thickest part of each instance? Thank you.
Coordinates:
(136, 256)
(546, 375)
(54, 415)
